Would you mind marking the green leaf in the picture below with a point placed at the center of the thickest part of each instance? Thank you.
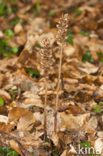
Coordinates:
(70, 40)
(70, 37)
(15, 21)
(87, 57)
(100, 103)
(0, 148)
(55, 154)
(15, 50)
(12, 153)
(1, 101)
(3, 46)
(48, 140)
(51, 13)
(97, 109)
(69, 32)
(35, 12)
(13, 2)
(4, 42)
(9, 10)
(11, 90)
(101, 59)
(77, 11)
(2, 9)
(38, 45)
(9, 33)
(37, 6)
(33, 73)
(85, 144)
(14, 96)
(5, 149)
(99, 54)
(84, 33)
(6, 54)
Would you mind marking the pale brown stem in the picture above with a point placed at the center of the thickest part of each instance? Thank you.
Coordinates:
(58, 88)
(45, 112)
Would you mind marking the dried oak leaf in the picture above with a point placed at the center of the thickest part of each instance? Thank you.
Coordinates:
(14, 145)
(26, 121)
(71, 122)
(6, 128)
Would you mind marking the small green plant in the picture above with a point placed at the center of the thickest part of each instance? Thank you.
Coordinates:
(13, 93)
(15, 21)
(55, 154)
(38, 45)
(9, 33)
(100, 56)
(101, 103)
(9, 10)
(37, 9)
(13, 2)
(76, 11)
(51, 13)
(5, 49)
(97, 109)
(14, 50)
(87, 57)
(4, 9)
(84, 33)
(1, 101)
(70, 37)
(7, 152)
(85, 144)
(33, 73)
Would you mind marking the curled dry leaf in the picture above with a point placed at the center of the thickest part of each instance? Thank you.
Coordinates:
(32, 99)
(64, 153)
(89, 68)
(18, 28)
(6, 128)
(21, 39)
(55, 139)
(14, 145)
(99, 145)
(3, 119)
(26, 121)
(16, 113)
(71, 122)
(91, 125)
(31, 140)
(5, 95)
(69, 50)
(38, 25)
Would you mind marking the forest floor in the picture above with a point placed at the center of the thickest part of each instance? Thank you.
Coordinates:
(22, 89)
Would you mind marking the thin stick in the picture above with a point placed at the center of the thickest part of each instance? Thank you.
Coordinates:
(58, 88)
(45, 112)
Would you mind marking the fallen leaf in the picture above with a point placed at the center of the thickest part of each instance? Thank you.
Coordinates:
(14, 145)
